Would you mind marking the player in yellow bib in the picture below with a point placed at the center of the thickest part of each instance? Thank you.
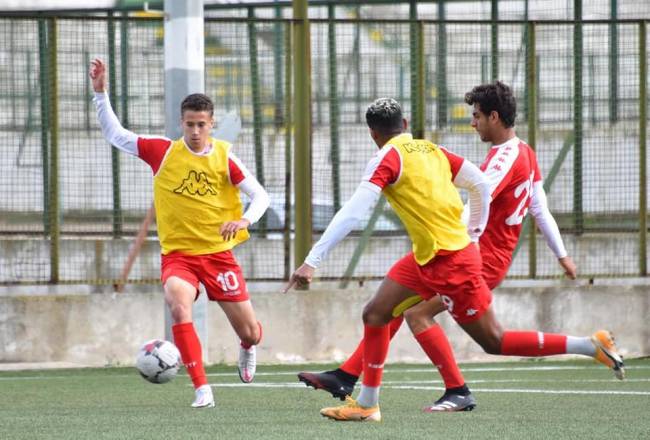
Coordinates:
(196, 181)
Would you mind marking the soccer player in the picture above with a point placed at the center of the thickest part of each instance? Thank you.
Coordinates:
(416, 178)
(196, 180)
(509, 165)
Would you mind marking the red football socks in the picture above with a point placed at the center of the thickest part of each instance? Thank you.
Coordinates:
(532, 344)
(375, 350)
(435, 344)
(189, 345)
(354, 364)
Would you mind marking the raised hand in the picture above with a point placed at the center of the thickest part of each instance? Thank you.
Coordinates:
(98, 75)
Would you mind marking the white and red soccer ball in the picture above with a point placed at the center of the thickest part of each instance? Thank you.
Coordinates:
(158, 361)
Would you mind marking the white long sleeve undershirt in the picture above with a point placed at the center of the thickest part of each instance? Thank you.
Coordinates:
(259, 198)
(545, 222)
(113, 132)
(471, 178)
(349, 216)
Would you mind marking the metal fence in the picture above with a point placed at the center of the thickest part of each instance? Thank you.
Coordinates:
(72, 205)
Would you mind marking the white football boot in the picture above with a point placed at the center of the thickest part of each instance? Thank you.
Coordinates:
(204, 397)
(247, 364)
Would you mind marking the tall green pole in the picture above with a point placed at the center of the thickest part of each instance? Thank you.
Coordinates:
(441, 73)
(302, 138)
(531, 86)
(115, 158)
(494, 40)
(577, 117)
(45, 157)
(277, 67)
(334, 106)
(288, 123)
(257, 105)
(55, 209)
(413, 50)
(643, 135)
(613, 62)
(418, 122)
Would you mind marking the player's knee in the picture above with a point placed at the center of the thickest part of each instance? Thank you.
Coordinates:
(250, 335)
(492, 344)
(417, 319)
(372, 316)
(180, 313)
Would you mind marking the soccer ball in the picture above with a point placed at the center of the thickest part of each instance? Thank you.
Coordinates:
(158, 361)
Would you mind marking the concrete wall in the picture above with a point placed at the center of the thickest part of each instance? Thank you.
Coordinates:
(318, 325)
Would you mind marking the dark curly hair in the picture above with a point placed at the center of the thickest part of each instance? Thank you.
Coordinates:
(384, 115)
(497, 97)
(197, 102)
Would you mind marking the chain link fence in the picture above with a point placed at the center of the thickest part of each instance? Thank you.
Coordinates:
(73, 206)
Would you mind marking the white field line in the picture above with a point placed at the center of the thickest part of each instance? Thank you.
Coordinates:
(439, 388)
(429, 370)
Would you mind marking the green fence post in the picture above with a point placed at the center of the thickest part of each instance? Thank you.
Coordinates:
(302, 141)
(363, 242)
(44, 82)
(55, 209)
(494, 40)
(288, 121)
(334, 106)
(356, 57)
(441, 74)
(88, 96)
(643, 133)
(531, 85)
(124, 69)
(277, 68)
(115, 158)
(257, 106)
(613, 62)
(577, 117)
(413, 51)
(418, 123)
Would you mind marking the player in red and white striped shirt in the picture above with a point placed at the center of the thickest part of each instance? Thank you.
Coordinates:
(516, 187)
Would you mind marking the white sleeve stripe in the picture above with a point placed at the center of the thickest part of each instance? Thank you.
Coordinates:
(494, 175)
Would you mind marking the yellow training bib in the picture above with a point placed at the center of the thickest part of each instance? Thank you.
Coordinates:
(193, 197)
(425, 199)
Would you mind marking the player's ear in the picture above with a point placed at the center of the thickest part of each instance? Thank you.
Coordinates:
(405, 124)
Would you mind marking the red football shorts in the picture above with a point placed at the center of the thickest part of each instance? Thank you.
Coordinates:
(219, 273)
(494, 270)
(455, 276)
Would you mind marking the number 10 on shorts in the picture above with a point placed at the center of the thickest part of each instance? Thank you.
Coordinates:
(228, 281)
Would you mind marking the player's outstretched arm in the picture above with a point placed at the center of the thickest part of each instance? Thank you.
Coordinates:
(112, 130)
(344, 221)
(547, 224)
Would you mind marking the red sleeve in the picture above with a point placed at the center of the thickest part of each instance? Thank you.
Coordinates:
(236, 174)
(455, 161)
(152, 151)
(388, 169)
